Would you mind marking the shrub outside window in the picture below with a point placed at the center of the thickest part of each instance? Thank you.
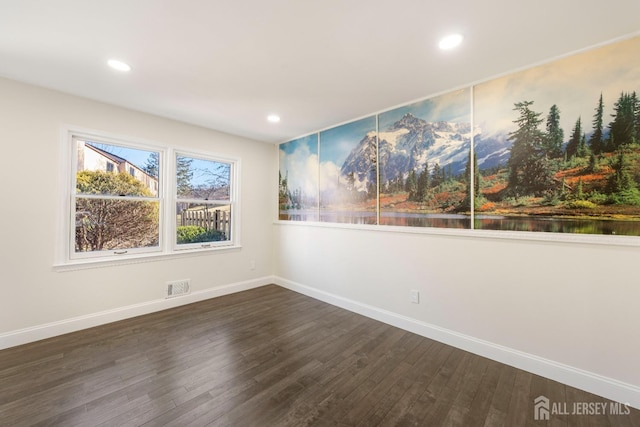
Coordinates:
(115, 211)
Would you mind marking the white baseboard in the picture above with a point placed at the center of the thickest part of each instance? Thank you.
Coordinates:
(593, 383)
(49, 330)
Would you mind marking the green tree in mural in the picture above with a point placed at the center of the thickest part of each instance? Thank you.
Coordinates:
(621, 185)
(423, 183)
(596, 141)
(555, 134)
(529, 170)
(372, 183)
(472, 160)
(623, 128)
(583, 151)
(411, 186)
(436, 176)
(573, 145)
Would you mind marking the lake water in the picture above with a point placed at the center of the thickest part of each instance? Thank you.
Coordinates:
(559, 225)
(483, 222)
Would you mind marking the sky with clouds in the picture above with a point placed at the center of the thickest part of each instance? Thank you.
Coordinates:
(573, 83)
(299, 163)
(337, 143)
(452, 107)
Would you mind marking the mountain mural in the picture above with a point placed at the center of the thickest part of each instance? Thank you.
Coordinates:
(407, 144)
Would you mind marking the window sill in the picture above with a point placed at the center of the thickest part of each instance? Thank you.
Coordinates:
(85, 264)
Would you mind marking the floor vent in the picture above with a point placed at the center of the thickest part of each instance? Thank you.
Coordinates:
(177, 288)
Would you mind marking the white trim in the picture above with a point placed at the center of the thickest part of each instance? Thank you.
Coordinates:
(49, 330)
(597, 384)
(85, 264)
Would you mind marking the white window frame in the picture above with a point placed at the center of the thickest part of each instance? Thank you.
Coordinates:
(231, 201)
(117, 253)
(67, 259)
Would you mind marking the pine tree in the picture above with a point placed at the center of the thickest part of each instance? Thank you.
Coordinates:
(596, 141)
(466, 203)
(184, 174)
(579, 194)
(623, 126)
(399, 184)
(555, 134)
(621, 180)
(529, 171)
(637, 115)
(593, 164)
(411, 185)
(582, 146)
(436, 176)
(574, 143)
(423, 183)
(152, 165)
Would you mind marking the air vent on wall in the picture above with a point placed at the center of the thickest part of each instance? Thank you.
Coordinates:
(177, 288)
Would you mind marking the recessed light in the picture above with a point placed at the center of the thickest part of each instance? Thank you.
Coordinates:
(450, 41)
(119, 65)
(273, 118)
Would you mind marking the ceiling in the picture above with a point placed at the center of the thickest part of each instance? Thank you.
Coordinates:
(226, 64)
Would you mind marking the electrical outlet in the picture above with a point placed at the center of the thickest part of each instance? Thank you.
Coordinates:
(414, 297)
(252, 264)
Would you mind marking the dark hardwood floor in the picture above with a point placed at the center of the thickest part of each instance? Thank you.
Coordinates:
(269, 357)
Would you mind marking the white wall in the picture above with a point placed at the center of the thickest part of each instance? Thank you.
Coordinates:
(535, 305)
(32, 295)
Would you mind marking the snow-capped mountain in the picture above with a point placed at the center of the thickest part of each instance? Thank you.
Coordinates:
(491, 151)
(410, 142)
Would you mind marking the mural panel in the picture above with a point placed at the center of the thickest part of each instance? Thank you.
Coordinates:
(348, 173)
(424, 154)
(557, 148)
(298, 179)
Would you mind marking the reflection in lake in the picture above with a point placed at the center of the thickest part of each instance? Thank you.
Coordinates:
(348, 217)
(341, 217)
(298, 215)
(425, 220)
(558, 225)
(482, 222)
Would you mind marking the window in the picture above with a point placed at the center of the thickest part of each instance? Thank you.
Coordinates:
(130, 199)
(114, 213)
(203, 201)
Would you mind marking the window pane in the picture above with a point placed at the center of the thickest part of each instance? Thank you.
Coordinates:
(202, 179)
(196, 223)
(116, 170)
(116, 224)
